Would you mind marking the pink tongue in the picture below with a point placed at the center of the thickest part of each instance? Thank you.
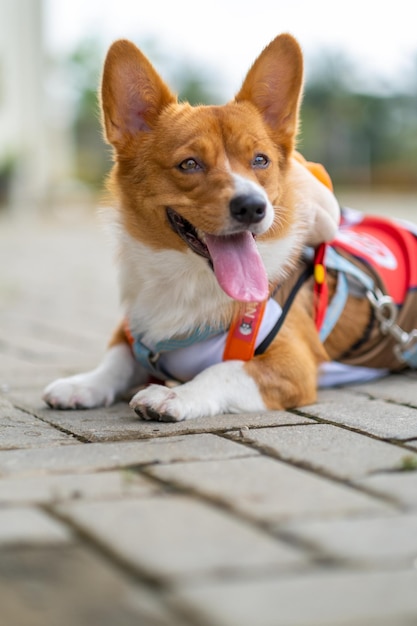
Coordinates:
(238, 267)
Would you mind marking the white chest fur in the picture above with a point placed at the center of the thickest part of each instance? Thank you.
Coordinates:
(167, 292)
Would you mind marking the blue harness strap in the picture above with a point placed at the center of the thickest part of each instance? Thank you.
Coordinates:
(344, 268)
(350, 279)
(149, 358)
(409, 354)
(406, 349)
(335, 308)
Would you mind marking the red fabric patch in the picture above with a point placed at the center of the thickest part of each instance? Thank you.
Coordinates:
(387, 247)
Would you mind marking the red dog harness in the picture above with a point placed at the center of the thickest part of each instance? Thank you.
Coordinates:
(387, 247)
(379, 253)
(383, 268)
(386, 250)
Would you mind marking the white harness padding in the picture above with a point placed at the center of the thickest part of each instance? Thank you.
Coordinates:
(185, 363)
(333, 374)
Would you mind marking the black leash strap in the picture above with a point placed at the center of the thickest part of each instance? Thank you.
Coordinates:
(275, 329)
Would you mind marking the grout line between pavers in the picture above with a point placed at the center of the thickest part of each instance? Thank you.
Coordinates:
(314, 552)
(315, 556)
(312, 469)
(399, 443)
(147, 436)
(136, 573)
(65, 431)
(89, 538)
(370, 396)
(139, 466)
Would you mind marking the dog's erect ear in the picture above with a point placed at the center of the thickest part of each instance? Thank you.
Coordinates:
(132, 93)
(273, 85)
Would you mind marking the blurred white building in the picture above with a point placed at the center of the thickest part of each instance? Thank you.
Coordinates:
(32, 143)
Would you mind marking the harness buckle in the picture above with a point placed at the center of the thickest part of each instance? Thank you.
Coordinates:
(406, 352)
(386, 313)
(384, 308)
(154, 357)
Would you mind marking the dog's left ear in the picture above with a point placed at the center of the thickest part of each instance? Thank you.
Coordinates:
(132, 93)
(273, 85)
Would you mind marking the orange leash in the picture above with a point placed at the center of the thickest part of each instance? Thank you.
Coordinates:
(241, 339)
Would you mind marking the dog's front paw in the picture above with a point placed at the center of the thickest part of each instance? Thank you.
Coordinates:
(77, 392)
(160, 403)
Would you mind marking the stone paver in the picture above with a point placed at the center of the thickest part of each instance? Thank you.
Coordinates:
(327, 449)
(292, 518)
(26, 526)
(399, 485)
(17, 377)
(268, 490)
(328, 599)
(400, 389)
(23, 430)
(41, 489)
(389, 540)
(120, 422)
(376, 417)
(177, 537)
(100, 456)
(72, 586)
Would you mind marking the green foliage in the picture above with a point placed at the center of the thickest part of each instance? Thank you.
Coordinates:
(409, 463)
(196, 88)
(361, 137)
(83, 67)
(8, 164)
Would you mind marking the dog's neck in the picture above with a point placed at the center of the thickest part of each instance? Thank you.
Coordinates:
(167, 293)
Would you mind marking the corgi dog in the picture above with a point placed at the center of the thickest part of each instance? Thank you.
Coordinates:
(214, 212)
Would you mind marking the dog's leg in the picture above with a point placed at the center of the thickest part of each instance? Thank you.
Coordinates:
(117, 373)
(222, 388)
(229, 387)
(285, 376)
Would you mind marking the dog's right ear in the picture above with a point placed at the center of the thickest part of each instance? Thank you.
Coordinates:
(273, 84)
(132, 93)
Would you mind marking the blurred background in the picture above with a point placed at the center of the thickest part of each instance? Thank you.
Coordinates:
(360, 106)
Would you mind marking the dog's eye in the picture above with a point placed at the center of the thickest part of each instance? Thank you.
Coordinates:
(189, 165)
(260, 161)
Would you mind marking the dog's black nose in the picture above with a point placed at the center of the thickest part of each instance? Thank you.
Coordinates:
(248, 208)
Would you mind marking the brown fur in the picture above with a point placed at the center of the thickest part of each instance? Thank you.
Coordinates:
(219, 134)
(225, 138)
(287, 372)
(118, 335)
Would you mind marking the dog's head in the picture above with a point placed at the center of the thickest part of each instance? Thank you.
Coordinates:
(210, 178)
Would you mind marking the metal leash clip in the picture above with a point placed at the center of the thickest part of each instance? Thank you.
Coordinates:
(386, 313)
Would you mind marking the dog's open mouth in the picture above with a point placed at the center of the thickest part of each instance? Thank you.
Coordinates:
(235, 259)
(188, 233)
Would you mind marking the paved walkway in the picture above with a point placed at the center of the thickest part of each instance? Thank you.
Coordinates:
(298, 518)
